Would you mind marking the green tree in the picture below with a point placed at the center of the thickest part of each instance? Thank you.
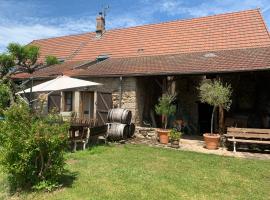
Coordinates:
(18, 58)
(216, 94)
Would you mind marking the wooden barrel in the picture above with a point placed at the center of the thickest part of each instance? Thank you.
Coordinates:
(131, 130)
(117, 131)
(119, 115)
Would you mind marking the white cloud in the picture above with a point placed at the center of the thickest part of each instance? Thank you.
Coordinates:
(20, 22)
(25, 32)
(174, 7)
(180, 7)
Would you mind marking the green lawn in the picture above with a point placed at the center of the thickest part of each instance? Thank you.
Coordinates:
(140, 172)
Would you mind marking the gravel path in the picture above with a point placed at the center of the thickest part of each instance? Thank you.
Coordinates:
(197, 145)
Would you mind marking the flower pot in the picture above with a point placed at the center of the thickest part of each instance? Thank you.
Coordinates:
(175, 143)
(163, 135)
(211, 140)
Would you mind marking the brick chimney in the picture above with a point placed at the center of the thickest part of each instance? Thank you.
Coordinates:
(100, 28)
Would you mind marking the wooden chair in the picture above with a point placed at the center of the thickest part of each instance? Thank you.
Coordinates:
(83, 137)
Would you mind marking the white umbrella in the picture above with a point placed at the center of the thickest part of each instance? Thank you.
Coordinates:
(60, 83)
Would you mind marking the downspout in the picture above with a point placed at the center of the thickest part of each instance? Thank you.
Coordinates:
(120, 91)
(31, 95)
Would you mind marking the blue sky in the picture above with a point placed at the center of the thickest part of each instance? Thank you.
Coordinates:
(25, 20)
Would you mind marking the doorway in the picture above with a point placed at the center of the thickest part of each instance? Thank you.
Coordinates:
(205, 113)
(88, 105)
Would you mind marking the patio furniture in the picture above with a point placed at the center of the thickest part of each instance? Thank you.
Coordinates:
(60, 83)
(82, 136)
(80, 131)
(248, 135)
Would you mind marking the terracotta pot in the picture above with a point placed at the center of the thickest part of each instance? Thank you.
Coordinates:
(211, 140)
(163, 135)
(175, 143)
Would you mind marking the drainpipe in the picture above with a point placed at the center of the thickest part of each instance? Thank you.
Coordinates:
(120, 92)
(31, 95)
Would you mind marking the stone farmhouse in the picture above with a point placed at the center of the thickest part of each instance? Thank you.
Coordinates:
(137, 65)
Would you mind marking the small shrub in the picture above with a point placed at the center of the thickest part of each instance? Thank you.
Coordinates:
(32, 148)
(175, 135)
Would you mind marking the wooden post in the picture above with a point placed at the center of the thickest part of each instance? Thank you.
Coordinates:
(234, 145)
(76, 102)
(62, 104)
(95, 105)
(221, 123)
(164, 91)
(81, 104)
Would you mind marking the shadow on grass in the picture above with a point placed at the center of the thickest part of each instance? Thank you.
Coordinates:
(65, 180)
(68, 178)
(98, 148)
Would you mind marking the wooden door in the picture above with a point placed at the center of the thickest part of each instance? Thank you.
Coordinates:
(54, 102)
(103, 105)
(88, 105)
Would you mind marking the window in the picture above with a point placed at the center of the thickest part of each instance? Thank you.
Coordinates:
(68, 101)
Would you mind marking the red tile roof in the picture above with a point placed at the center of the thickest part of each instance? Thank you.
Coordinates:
(223, 61)
(62, 47)
(245, 29)
(54, 70)
(236, 60)
(239, 40)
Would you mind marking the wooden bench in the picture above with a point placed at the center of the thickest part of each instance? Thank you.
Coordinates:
(248, 135)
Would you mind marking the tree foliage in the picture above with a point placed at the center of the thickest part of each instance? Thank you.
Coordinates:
(165, 107)
(216, 94)
(4, 97)
(51, 60)
(6, 63)
(32, 148)
(18, 58)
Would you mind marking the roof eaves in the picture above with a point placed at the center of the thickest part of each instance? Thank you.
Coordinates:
(267, 68)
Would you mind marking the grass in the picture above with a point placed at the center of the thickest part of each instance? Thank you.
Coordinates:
(141, 172)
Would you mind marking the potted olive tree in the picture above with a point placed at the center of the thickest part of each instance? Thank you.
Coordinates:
(216, 94)
(175, 138)
(165, 108)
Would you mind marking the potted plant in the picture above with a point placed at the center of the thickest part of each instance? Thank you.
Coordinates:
(165, 108)
(175, 138)
(216, 94)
